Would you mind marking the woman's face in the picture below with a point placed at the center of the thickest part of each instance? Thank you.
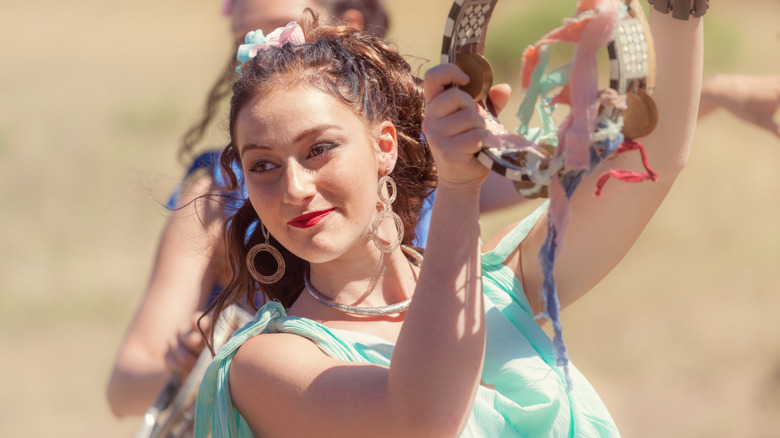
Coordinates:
(311, 168)
(249, 15)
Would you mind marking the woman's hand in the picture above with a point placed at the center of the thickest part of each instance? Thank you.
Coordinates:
(454, 128)
(184, 352)
(499, 96)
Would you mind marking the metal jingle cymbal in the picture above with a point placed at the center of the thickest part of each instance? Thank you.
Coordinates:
(650, 103)
(526, 187)
(641, 115)
(523, 188)
(478, 68)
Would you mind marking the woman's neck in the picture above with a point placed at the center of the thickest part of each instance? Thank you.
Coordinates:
(365, 278)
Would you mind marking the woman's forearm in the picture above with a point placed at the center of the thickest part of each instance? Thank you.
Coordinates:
(441, 345)
(679, 54)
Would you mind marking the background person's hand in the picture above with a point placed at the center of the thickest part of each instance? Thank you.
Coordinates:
(754, 99)
(185, 350)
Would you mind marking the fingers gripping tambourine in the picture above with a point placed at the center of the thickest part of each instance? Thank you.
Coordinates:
(551, 159)
(464, 44)
(529, 160)
(172, 414)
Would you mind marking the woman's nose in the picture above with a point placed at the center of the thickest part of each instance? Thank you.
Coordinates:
(299, 184)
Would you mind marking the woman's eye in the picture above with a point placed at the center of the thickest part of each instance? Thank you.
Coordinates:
(262, 166)
(320, 148)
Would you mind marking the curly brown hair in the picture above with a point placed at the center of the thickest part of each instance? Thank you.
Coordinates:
(376, 23)
(372, 79)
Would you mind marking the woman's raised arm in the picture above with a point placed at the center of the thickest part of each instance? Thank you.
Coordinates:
(602, 230)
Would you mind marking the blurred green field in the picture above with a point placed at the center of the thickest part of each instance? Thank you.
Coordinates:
(682, 340)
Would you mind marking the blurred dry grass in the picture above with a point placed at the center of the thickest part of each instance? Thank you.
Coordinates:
(681, 341)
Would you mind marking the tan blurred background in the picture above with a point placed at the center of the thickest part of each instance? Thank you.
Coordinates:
(683, 340)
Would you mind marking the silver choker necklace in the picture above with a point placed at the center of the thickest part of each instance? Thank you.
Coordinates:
(370, 311)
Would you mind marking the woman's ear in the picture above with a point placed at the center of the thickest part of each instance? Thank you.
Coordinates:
(387, 145)
(354, 19)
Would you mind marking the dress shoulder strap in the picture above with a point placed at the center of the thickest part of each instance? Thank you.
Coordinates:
(513, 238)
(214, 408)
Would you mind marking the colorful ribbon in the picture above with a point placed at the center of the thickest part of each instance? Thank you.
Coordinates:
(580, 150)
(256, 41)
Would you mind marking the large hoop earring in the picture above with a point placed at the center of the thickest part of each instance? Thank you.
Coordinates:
(265, 247)
(386, 182)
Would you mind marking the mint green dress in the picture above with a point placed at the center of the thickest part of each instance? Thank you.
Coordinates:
(529, 399)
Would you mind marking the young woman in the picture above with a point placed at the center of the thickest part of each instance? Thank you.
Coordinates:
(362, 337)
(190, 267)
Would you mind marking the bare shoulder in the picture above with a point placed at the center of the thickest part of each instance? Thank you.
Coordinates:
(269, 374)
(199, 193)
(199, 213)
(269, 355)
(275, 377)
(198, 186)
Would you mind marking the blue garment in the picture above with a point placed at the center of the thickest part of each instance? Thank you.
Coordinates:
(424, 224)
(525, 393)
(209, 162)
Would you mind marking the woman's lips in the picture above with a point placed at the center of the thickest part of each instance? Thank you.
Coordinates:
(310, 219)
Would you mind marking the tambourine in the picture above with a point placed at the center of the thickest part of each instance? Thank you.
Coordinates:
(550, 160)
(172, 415)
(632, 74)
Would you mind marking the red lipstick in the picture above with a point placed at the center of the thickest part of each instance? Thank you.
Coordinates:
(310, 219)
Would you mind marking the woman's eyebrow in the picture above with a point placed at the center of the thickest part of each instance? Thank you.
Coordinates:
(301, 136)
(249, 146)
(316, 130)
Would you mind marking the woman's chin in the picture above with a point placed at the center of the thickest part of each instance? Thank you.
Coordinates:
(317, 251)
